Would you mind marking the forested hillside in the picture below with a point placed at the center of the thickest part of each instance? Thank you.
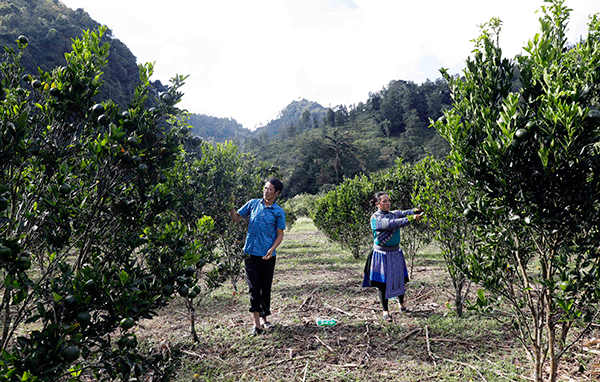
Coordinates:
(298, 115)
(50, 27)
(216, 129)
(320, 149)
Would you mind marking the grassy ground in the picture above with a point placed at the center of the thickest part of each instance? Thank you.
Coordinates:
(315, 279)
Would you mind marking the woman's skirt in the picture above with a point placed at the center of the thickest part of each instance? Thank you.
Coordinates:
(387, 268)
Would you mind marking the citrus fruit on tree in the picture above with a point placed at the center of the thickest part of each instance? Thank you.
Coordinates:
(566, 286)
(4, 252)
(196, 141)
(84, 318)
(127, 323)
(65, 189)
(143, 168)
(98, 109)
(103, 120)
(184, 291)
(71, 353)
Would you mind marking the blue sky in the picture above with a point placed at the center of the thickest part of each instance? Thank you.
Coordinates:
(247, 60)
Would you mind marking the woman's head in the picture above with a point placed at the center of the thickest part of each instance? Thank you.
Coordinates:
(382, 201)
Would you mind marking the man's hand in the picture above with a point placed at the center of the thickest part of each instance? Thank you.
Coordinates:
(235, 217)
(269, 254)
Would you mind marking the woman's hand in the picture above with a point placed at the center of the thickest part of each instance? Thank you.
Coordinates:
(418, 210)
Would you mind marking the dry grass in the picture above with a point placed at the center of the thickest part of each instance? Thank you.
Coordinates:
(314, 278)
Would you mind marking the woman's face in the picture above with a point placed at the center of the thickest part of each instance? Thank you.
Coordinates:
(384, 203)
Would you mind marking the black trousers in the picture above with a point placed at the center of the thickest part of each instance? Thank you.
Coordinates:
(259, 275)
(382, 298)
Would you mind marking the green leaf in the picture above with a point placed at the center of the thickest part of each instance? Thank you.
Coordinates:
(124, 277)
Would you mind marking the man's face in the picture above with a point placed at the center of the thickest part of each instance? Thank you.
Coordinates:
(269, 192)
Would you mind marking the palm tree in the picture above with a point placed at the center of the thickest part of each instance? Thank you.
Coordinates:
(339, 144)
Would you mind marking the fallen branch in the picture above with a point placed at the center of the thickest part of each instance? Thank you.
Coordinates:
(308, 298)
(405, 337)
(276, 363)
(339, 310)
(324, 344)
(201, 355)
(345, 365)
(192, 353)
(420, 296)
(590, 350)
(467, 365)
(504, 375)
(363, 306)
(305, 370)
(429, 347)
(466, 343)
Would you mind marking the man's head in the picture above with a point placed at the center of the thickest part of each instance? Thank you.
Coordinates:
(276, 183)
(272, 189)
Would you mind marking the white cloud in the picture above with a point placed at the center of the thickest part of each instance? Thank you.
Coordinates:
(249, 59)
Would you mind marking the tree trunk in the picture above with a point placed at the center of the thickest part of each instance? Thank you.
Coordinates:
(192, 312)
(6, 319)
(538, 364)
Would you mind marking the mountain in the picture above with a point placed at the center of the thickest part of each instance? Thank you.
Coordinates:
(303, 111)
(50, 27)
(297, 115)
(218, 129)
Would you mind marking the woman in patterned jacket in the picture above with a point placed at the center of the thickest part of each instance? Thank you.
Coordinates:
(386, 268)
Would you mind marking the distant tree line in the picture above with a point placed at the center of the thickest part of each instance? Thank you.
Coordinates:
(319, 147)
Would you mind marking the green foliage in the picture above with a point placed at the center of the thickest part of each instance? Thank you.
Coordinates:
(212, 180)
(532, 154)
(343, 214)
(442, 194)
(84, 183)
(360, 139)
(300, 205)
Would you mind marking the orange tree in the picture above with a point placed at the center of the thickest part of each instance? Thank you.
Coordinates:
(442, 195)
(343, 214)
(525, 134)
(83, 251)
(210, 180)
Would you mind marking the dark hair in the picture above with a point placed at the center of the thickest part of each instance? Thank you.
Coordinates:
(378, 195)
(276, 183)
